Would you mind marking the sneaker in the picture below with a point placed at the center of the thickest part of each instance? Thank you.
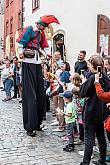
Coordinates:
(79, 142)
(58, 130)
(69, 148)
(96, 149)
(20, 101)
(2, 90)
(54, 123)
(54, 114)
(76, 134)
(81, 153)
(107, 158)
(99, 163)
(40, 128)
(31, 133)
(6, 99)
(65, 138)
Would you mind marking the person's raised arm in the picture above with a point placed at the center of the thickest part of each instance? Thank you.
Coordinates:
(105, 96)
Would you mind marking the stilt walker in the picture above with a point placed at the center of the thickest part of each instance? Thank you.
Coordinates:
(29, 43)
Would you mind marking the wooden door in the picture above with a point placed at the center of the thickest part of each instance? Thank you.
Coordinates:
(103, 35)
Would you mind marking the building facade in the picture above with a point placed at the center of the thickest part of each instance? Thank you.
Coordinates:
(84, 25)
(1, 29)
(12, 25)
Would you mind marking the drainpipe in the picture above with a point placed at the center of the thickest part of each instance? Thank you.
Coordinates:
(22, 5)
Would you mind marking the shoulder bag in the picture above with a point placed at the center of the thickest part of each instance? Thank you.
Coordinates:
(29, 53)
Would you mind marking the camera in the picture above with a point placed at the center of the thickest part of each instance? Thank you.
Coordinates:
(99, 69)
(82, 72)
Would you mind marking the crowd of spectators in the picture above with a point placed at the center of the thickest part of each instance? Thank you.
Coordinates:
(80, 100)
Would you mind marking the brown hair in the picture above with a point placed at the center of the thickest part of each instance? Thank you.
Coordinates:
(97, 60)
(107, 58)
(75, 79)
(83, 51)
(15, 57)
(67, 66)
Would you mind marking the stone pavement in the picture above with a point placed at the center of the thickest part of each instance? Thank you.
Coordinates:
(16, 148)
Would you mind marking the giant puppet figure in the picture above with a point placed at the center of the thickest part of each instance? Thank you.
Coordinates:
(32, 79)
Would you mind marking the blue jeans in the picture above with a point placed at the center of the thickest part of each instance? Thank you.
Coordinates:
(7, 86)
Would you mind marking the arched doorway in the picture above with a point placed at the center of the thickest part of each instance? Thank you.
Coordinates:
(58, 44)
(103, 35)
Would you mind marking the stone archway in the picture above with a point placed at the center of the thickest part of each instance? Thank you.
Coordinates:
(59, 43)
(103, 35)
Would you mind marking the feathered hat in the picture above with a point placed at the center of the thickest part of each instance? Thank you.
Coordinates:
(47, 19)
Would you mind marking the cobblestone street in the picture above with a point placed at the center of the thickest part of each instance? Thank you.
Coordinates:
(16, 148)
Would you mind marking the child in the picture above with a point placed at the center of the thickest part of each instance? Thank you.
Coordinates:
(79, 102)
(75, 84)
(70, 115)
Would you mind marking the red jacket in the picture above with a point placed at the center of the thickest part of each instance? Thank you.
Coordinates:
(105, 96)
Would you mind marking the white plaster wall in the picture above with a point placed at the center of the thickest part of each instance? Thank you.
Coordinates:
(77, 18)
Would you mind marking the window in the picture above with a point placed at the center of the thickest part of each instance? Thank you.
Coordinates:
(35, 5)
(11, 1)
(11, 42)
(19, 19)
(7, 3)
(11, 25)
(7, 28)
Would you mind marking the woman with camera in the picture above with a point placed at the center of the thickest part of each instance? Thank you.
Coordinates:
(105, 96)
(94, 112)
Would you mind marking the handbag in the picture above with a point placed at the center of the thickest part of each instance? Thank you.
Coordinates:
(29, 53)
(107, 124)
(55, 91)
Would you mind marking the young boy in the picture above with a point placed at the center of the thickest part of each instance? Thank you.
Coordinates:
(70, 115)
